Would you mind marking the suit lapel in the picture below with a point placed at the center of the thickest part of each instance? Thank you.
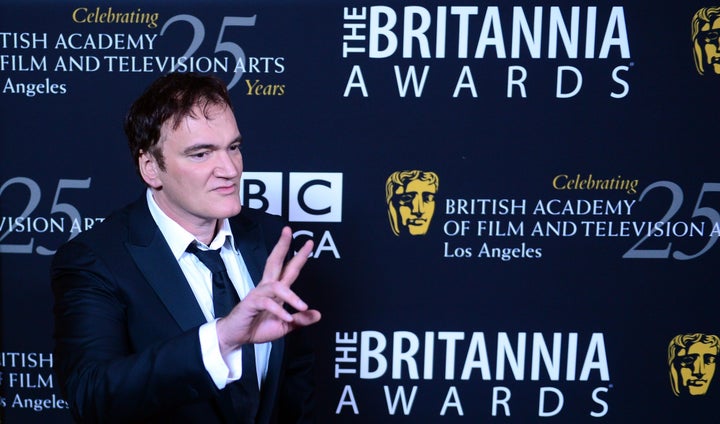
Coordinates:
(250, 242)
(153, 257)
(268, 395)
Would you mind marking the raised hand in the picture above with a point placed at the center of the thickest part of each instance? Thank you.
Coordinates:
(261, 317)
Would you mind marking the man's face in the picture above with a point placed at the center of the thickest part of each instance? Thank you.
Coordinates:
(415, 204)
(203, 164)
(709, 37)
(697, 367)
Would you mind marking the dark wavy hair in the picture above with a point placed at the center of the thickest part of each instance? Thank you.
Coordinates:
(169, 99)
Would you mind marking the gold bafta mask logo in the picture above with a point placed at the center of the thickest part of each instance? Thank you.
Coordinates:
(692, 359)
(410, 197)
(706, 40)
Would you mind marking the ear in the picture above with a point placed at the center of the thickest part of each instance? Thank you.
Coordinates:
(149, 170)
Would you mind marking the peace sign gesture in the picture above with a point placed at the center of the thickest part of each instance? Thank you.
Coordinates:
(261, 316)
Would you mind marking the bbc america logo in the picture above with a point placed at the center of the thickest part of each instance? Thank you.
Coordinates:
(311, 196)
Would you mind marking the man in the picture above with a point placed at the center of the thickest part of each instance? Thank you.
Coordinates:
(706, 40)
(692, 359)
(410, 197)
(139, 335)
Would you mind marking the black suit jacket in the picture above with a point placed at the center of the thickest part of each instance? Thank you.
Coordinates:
(126, 328)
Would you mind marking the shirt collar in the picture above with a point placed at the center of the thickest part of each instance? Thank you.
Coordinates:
(179, 238)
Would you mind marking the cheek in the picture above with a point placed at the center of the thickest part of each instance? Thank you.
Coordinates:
(192, 176)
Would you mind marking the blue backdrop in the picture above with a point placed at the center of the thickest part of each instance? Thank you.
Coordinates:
(572, 230)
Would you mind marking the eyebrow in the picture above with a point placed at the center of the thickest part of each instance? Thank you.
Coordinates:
(207, 146)
(198, 147)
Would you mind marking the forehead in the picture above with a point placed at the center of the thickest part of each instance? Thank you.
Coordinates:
(714, 24)
(419, 186)
(206, 117)
(701, 348)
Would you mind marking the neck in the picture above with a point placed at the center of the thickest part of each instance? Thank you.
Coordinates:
(206, 234)
(204, 230)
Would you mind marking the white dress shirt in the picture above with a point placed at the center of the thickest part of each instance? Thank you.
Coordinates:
(200, 281)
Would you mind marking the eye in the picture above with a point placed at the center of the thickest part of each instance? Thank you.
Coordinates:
(199, 154)
(405, 199)
(687, 361)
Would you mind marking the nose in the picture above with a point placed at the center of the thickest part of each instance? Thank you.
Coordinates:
(699, 368)
(418, 207)
(228, 165)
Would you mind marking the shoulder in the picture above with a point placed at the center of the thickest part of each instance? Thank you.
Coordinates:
(253, 221)
(258, 217)
(111, 233)
(117, 222)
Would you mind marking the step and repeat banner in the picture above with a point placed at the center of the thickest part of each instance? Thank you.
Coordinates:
(515, 205)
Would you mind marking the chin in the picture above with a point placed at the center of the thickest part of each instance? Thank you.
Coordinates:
(233, 212)
(227, 212)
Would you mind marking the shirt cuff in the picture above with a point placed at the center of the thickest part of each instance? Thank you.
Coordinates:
(221, 370)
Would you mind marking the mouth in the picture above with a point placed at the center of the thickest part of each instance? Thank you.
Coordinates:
(228, 189)
(418, 222)
(697, 383)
